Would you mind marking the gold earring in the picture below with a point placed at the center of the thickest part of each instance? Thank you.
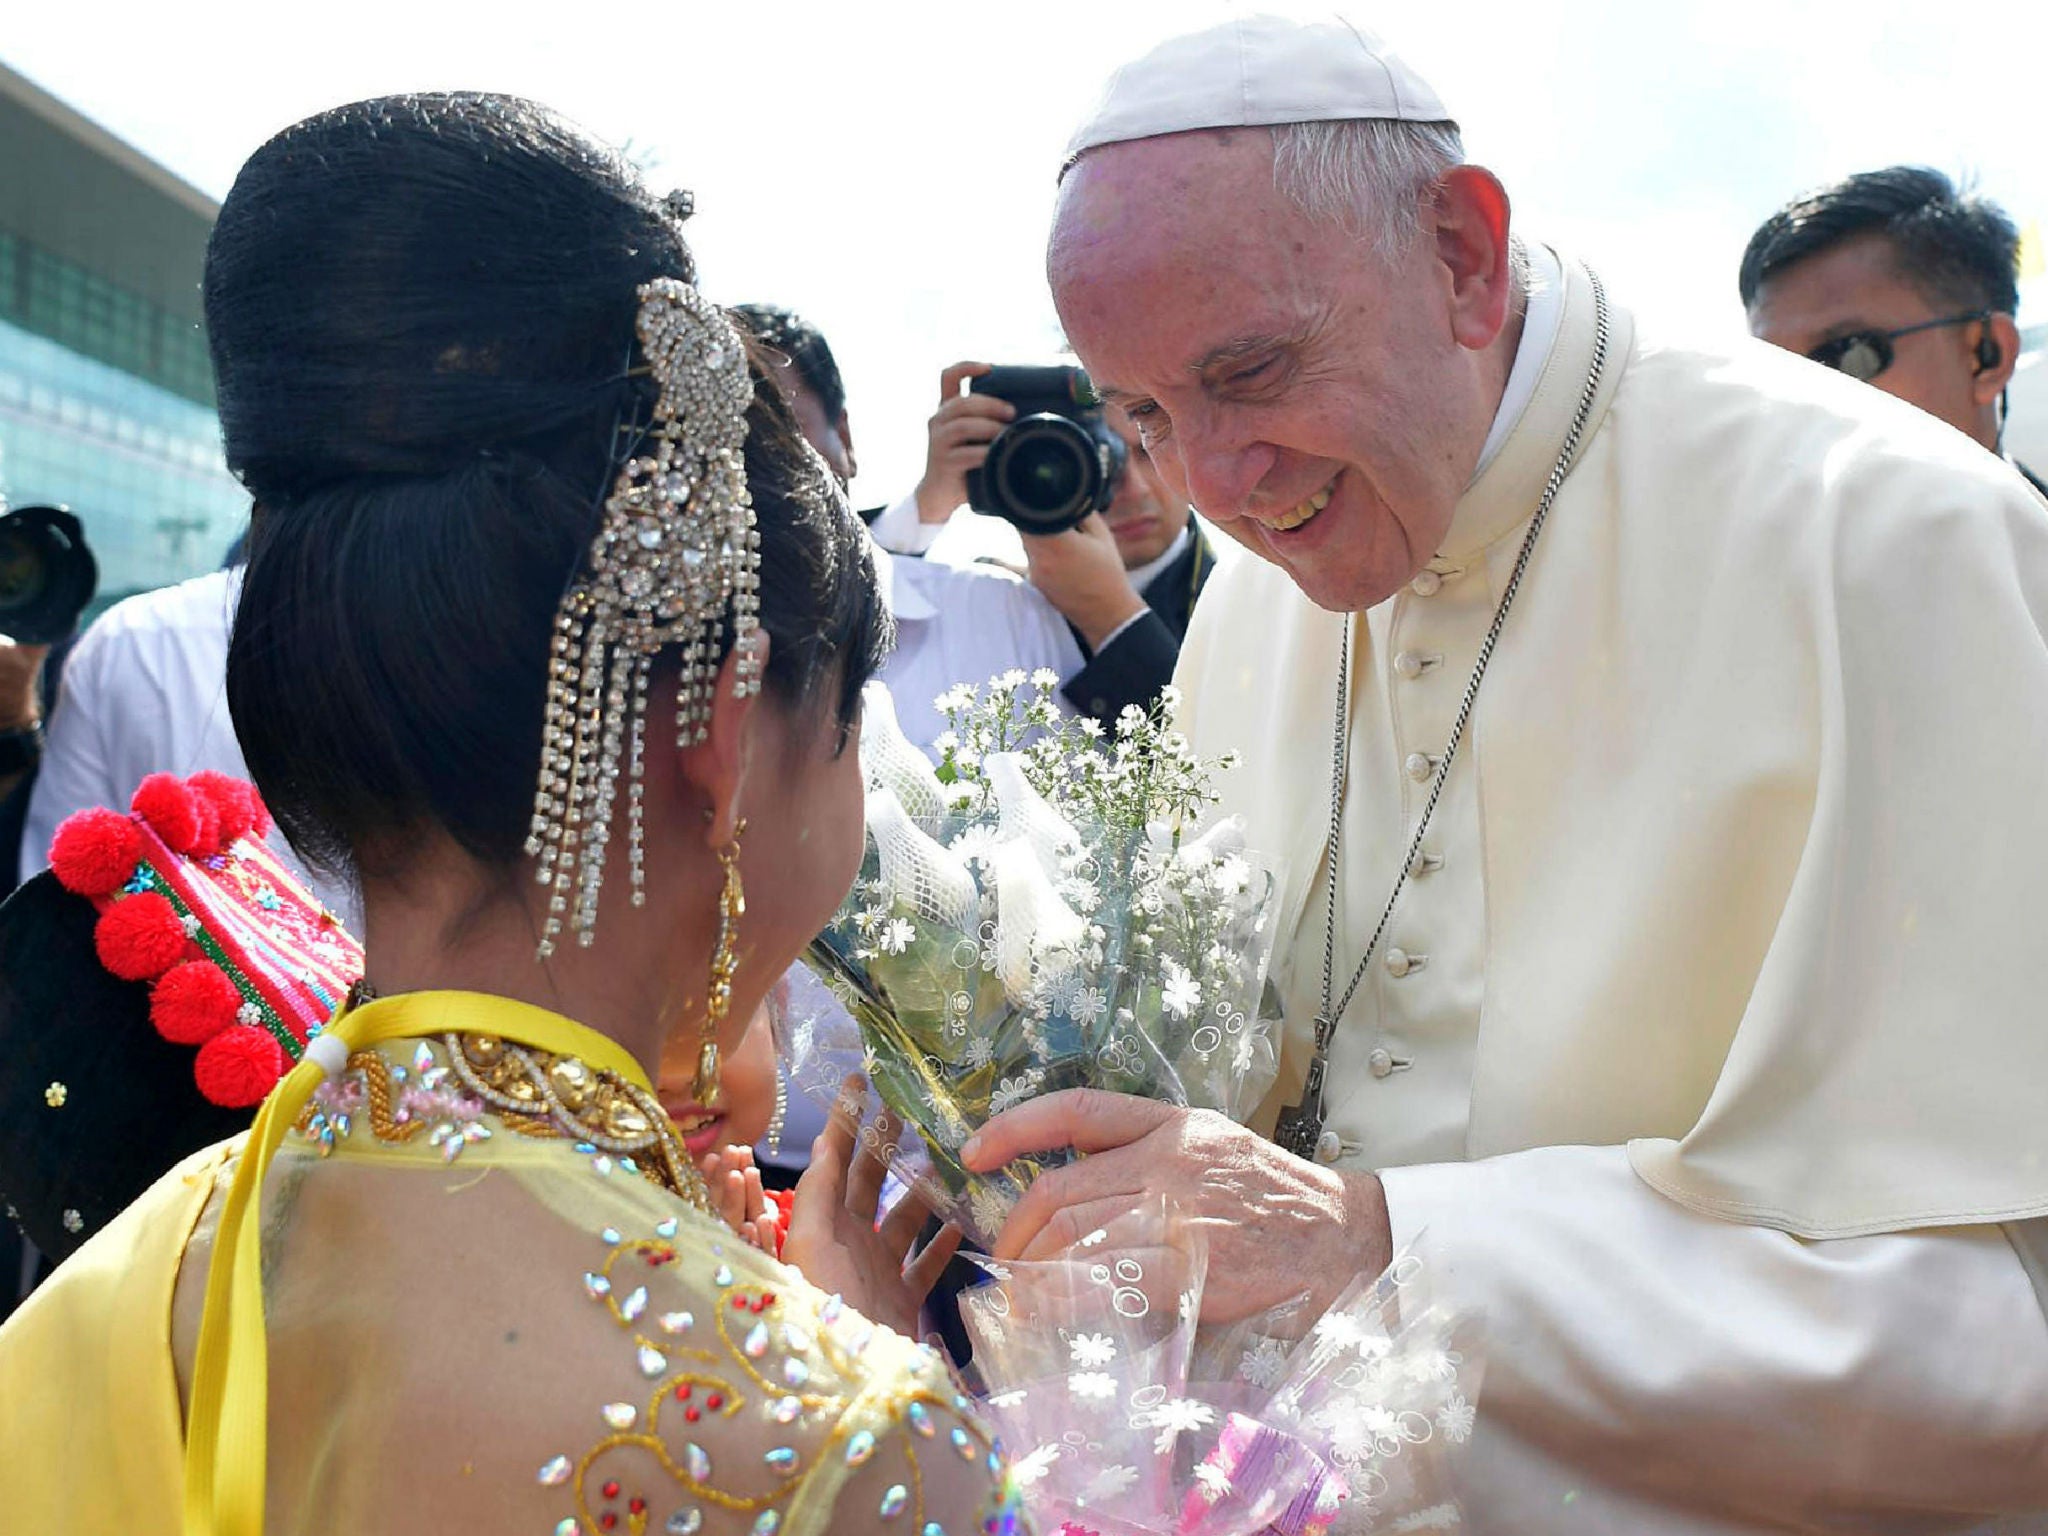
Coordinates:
(732, 906)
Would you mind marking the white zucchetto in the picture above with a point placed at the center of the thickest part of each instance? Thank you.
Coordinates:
(1257, 71)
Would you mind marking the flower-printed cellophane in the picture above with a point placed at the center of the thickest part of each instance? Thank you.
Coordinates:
(1037, 913)
(1121, 1415)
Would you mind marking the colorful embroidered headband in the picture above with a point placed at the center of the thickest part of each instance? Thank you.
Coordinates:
(242, 962)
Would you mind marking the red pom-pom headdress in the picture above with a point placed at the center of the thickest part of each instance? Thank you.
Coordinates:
(242, 961)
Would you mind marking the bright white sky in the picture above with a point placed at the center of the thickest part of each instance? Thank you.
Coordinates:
(887, 168)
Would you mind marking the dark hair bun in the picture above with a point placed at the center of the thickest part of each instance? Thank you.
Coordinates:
(415, 312)
(421, 310)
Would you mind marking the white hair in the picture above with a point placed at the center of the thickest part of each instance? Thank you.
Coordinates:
(1365, 174)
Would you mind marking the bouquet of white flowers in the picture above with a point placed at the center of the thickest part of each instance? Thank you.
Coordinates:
(1033, 915)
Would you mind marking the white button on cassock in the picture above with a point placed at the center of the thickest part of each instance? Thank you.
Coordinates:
(1379, 1063)
(1400, 962)
(1419, 765)
(1328, 1147)
(1410, 664)
(1426, 864)
(1426, 584)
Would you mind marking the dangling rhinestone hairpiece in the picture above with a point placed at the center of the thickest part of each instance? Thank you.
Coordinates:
(675, 551)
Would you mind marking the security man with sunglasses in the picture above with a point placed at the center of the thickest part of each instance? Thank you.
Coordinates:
(1896, 278)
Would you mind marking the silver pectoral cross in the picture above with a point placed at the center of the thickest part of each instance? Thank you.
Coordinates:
(1300, 1126)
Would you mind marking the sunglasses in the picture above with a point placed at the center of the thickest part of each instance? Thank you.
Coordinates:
(1863, 355)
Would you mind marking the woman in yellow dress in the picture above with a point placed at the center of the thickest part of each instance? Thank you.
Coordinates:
(552, 636)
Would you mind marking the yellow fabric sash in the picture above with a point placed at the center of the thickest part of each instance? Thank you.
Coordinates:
(226, 1455)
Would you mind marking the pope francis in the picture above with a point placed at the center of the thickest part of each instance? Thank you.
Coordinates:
(1658, 742)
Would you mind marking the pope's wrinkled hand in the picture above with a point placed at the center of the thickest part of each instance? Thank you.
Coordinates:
(1275, 1224)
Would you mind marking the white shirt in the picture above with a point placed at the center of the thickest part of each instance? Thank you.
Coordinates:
(145, 691)
(901, 531)
(962, 624)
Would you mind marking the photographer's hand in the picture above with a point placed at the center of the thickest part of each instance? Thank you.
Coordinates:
(960, 432)
(1081, 572)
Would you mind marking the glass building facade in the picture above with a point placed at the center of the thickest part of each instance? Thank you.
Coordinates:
(138, 462)
(106, 390)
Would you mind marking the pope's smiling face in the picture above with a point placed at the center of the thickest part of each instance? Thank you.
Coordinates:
(1320, 403)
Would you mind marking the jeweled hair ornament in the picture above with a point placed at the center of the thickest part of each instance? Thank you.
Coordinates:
(676, 551)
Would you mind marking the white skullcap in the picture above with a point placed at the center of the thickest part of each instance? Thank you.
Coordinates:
(1257, 71)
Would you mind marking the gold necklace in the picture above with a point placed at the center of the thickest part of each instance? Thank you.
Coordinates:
(533, 1093)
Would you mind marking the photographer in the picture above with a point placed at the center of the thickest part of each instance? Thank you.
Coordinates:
(954, 624)
(1125, 579)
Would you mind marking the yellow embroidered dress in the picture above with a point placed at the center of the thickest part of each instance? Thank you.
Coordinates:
(483, 1312)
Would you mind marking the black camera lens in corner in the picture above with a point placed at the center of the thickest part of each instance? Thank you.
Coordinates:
(47, 575)
(1058, 461)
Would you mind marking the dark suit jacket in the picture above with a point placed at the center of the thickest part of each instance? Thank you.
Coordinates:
(1133, 667)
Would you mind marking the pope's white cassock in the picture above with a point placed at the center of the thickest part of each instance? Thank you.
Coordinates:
(1710, 1041)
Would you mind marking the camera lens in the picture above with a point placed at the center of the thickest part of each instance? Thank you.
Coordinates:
(1045, 472)
(47, 574)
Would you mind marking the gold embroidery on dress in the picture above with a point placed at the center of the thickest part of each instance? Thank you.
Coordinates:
(528, 1092)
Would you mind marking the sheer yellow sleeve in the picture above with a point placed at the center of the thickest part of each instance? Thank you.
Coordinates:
(533, 1339)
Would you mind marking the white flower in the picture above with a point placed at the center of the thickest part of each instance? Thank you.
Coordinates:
(1091, 1349)
(1090, 727)
(1079, 894)
(1263, 1364)
(896, 936)
(1180, 995)
(1351, 1442)
(1060, 988)
(1013, 679)
(1092, 1384)
(1110, 1483)
(1088, 1005)
(1014, 1090)
(1214, 1480)
(869, 1060)
(1455, 1419)
(1338, 1331)
(979, 1053)
(1045, 677)
(1382, 1424)
(1029, 1469)
(1178, 1417)
(991, 1207)
(1435, 1365)
(946, 1121)
(1169, 698)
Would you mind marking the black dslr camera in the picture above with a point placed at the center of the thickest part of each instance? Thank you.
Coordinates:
(1058, 461)
(47, 575)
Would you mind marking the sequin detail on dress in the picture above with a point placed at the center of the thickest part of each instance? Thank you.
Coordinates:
(746, 1398)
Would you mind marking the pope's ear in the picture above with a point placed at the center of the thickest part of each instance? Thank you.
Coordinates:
(1467, 215)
